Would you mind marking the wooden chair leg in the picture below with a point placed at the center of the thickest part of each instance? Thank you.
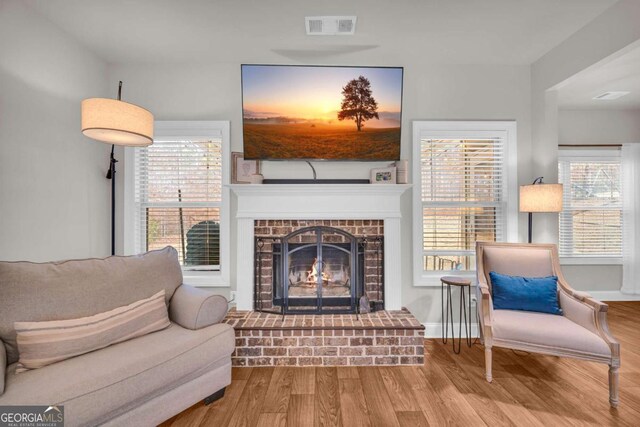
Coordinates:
(487, 363)
(614, 397)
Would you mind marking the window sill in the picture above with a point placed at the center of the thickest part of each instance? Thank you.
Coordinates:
(205, 279)
(590, 260)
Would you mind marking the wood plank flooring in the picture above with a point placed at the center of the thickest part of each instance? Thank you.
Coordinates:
(527, 390)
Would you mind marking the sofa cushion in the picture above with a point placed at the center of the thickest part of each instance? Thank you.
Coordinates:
(546, 330)
(32, 292)
(43, 343)
(98, 386)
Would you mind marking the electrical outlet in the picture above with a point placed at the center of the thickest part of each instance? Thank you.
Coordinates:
(232, 296)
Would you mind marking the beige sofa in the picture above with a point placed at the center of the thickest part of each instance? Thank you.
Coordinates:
(140, 382)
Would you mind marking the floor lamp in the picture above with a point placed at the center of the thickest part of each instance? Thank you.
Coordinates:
(116, 122)
(540, 197)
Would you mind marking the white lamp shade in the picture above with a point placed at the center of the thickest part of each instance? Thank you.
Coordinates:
(117, 122)
(541, 198)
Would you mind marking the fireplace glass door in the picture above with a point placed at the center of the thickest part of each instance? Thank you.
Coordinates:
(318, 271)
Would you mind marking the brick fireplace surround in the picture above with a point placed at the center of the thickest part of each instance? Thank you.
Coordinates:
(370, 228)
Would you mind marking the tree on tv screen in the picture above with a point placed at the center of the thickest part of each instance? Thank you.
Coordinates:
(358, 103)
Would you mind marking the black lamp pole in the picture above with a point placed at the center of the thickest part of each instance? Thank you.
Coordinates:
(538, 180)
(111, 174)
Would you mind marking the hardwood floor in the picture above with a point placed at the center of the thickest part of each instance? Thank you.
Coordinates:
(527, 390)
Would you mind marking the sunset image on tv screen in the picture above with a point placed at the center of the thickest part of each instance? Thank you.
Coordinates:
(314, 112)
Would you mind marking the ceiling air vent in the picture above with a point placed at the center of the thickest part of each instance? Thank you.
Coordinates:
(314, 26)
(345, 25)
(608, 96)
(330, 25)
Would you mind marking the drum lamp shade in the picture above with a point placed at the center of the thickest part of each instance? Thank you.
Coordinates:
(117, 122)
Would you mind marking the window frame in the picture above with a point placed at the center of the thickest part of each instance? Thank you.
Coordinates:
(451, 129)
(193, 130)
(586, 155)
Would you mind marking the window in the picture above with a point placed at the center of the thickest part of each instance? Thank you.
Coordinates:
(591, 220)
(178, 198)
(461, 176)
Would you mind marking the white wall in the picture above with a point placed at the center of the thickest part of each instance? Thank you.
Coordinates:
(609, 35)
(211, 91)
(598, 126)
(54, 198)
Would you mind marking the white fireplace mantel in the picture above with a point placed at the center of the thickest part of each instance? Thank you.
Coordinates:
(318, 201)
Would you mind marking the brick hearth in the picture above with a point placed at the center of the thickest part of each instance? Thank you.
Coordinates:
(381, 338)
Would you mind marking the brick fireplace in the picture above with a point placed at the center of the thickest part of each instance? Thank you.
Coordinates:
(325, 245)
(318, 266)
(319, 202)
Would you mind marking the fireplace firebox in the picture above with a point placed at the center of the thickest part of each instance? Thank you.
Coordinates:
(317, 270)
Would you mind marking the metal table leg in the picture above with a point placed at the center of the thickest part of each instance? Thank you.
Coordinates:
(445, 314)
(453, 334)
(469, 340)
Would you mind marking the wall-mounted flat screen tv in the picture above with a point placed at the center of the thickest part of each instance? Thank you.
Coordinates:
(293, 112)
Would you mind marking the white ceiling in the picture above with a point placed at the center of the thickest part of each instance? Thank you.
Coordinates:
(445, 31)
(619, 74)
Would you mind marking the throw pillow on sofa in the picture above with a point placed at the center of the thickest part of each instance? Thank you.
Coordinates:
(539, 294)
(43, 343)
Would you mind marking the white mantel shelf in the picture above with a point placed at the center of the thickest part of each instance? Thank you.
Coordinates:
(319, 202)
(255, 189)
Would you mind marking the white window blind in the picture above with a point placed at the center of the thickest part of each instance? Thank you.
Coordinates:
(178, 198)
(463, 199)
(591, 220)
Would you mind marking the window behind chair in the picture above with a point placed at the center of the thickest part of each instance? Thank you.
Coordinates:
(462, 191)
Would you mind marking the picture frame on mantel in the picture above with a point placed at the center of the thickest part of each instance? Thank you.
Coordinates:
(383, 175)
(241, 169)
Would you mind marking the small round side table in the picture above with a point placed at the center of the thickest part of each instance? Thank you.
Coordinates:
(465, 302)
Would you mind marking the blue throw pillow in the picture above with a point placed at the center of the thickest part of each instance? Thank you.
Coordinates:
(525, 293)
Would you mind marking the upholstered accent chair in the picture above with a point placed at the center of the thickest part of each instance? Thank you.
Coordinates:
(580, 332)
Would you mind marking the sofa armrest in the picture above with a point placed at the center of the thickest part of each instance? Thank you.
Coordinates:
(3, 365)
(194, 308)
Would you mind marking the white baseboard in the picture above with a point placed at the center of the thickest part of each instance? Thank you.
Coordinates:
(434, 330)
(613, 296)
